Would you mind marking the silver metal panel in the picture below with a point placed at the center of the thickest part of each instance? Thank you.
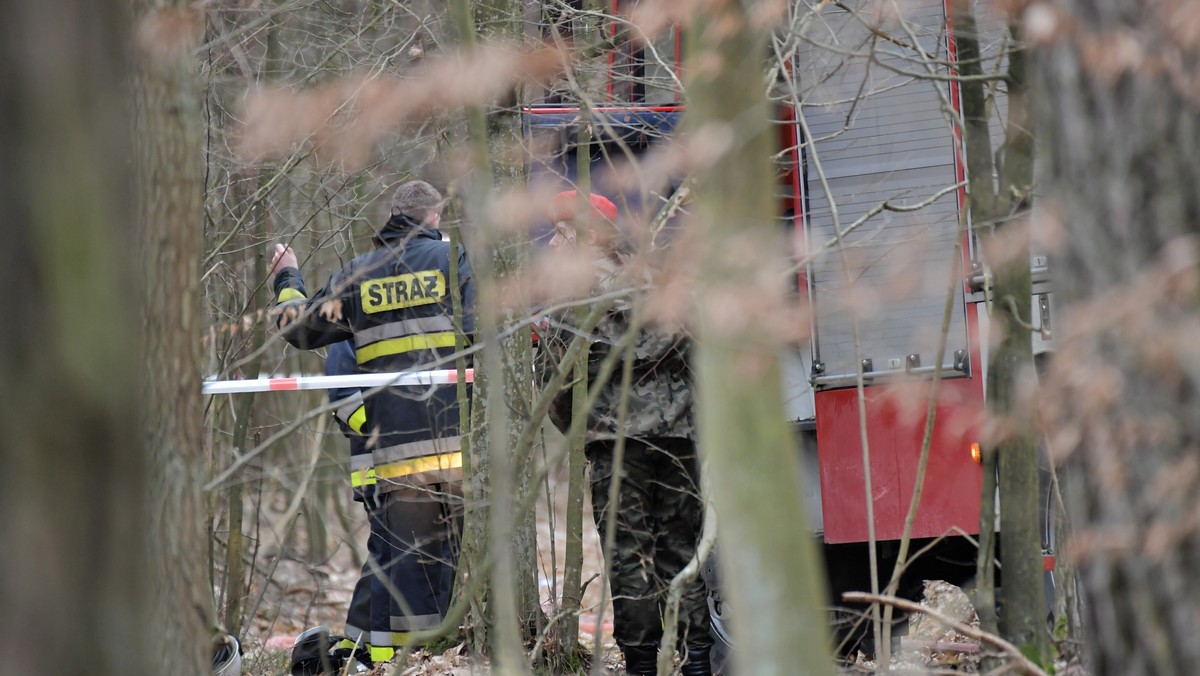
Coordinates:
(880, 136)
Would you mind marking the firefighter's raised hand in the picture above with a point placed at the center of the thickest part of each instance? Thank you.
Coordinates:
(283, 257)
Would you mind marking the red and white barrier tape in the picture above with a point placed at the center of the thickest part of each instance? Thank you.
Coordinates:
(365, 380)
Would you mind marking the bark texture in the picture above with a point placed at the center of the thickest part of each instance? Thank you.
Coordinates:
(503, 505)
(72, 471)
(1000, 215)
(1011, 377)
(775, 582)
(170, 217)
(1120, 122)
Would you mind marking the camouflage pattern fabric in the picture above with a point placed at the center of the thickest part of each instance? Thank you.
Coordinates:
(659, 522)
(660, 396)
(660, 512)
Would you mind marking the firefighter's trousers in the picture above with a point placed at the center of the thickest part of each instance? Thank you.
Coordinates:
(408, 577)
(659, 519)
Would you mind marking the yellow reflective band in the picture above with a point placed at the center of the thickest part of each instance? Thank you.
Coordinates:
(401, 638)
(358, 419)
(385, 348)
(382, 654)
(290, 294)
(362, 477)
(401, 291)
(346, 643)
(429, 463)
(411, 449)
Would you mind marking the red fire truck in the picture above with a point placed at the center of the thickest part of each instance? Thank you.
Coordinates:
(864, 117)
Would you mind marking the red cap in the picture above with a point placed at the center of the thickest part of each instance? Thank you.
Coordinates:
(566, 203)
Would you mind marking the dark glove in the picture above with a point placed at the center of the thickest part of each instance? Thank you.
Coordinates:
(288, 311)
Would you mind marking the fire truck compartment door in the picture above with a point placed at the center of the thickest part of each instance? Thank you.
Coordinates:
(881, 141)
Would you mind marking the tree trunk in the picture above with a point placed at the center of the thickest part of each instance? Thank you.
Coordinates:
(502, 382)
(583, 33)
(774, 579)
(170, 215)
(1119, 119)
(1001, 221)
(572, 595)
(236, 587)
(981, 201)
(1011, 378)
(477, 461)
(72, 466)
(512, 252)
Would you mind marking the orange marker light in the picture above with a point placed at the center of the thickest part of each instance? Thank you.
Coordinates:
(976, 454)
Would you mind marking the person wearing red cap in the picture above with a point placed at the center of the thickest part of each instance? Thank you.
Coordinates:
(659, 514)
(566, 205)
(601, 228)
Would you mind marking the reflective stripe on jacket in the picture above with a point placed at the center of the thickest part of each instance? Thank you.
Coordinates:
(395, 305)
(351, 416)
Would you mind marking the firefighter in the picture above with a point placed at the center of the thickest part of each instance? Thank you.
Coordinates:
(394, 304)
(660, 514)
(351, 416)
(316, 650)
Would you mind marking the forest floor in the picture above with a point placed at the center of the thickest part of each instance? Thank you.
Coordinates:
(302, 594)
(298, 593)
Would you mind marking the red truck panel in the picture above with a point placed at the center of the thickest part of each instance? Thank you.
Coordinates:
(895, 429)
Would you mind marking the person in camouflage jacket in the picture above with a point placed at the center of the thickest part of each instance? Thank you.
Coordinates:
(660, 513)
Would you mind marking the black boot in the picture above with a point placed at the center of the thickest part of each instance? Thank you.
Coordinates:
(696, 662)
(313, 653)
(317, 652)
(641, 659)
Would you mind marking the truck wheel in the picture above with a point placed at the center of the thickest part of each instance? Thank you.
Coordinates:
(722, 650)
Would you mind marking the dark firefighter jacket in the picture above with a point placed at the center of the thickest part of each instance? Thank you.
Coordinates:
(351, 416)
(395, 305)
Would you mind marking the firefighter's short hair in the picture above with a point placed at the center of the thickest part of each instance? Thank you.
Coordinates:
(416, 199)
